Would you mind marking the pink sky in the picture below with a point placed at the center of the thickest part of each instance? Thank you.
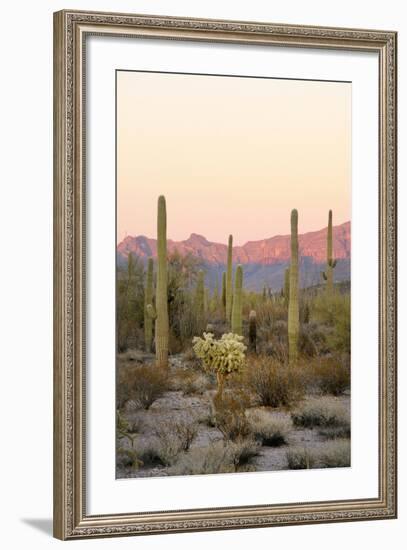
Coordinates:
(231, 155)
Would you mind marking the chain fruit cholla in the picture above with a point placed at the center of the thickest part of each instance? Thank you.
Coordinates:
(223, 356)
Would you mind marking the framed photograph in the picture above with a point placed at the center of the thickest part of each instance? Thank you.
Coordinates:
(225, 274)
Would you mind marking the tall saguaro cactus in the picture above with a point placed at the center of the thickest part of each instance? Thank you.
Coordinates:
(237, 302)
(200, 295)
(286, 292)
(229, 282)
(330, 262)
(224, 292)
(148, 299)
(293, 308)
(161, 312)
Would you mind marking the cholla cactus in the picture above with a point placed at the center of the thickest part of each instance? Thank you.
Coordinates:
(223, 356)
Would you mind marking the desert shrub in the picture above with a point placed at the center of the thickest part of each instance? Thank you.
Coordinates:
(334, 454)
(229, 414)
(214, 459)
(128, 458)
(336, 432)
(189, 382)
(141, 384)
(275, 385)
(324, 412)
(334, 312)
(242, 451)
(270, 430)
(174, 436)
(331, 375)
(300, 458)
(219, 457)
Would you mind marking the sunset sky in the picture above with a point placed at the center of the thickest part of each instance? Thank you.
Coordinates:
(231, 155)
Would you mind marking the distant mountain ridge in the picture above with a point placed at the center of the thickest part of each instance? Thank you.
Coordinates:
(274, 250)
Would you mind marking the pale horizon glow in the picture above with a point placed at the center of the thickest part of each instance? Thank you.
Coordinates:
(231, 155)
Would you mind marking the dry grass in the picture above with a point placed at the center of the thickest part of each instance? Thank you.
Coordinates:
(219, 457)
(271, 430)
(323, 412)
(333, 454)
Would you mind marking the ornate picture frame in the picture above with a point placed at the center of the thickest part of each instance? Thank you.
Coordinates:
(71, 519)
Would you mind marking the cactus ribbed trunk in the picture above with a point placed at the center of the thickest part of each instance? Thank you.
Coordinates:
(293, 308)
(252, 331)
(286, 286)
(229, 282)
(224, 292)
(330, 263)
(148, 299)
(237, 302)
(200, 296)
(161, 323)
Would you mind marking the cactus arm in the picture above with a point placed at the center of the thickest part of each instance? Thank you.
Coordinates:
(151, 312)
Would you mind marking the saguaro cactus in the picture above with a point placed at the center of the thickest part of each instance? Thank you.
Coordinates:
(200, 295)
(252, 331)
(330, 262)
(148, 299)
(286, 292)
(224, 291)
(293, 308)
(237, 302)
(161, 312)
(229, 282)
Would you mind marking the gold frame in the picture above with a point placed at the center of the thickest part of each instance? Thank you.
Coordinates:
(70, 31)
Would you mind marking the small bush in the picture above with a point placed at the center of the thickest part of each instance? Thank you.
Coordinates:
(128, 458)
(242, 451)
(300, 458)
(271, 431)
(324, 412)
(229, 415)
(331, 375)
(174, 436)
(214, 459)
(190, 382)
(275, 385)
(141, 384)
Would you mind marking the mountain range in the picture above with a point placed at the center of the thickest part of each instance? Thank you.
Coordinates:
(264, 261)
